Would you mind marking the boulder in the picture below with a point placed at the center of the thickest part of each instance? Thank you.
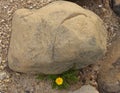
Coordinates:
(55, 38)
(109, 75)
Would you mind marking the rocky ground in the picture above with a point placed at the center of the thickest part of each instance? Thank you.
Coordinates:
(13, 82)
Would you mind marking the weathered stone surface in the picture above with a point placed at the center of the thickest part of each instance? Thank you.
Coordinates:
(55, 38)
(109, 76)
(86, 89)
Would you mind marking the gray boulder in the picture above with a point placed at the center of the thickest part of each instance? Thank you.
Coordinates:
(55, 38)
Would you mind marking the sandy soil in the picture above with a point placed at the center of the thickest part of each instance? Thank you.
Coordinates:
(13, 82)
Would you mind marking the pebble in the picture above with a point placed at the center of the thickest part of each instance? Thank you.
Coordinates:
(6, 6)
(2, 20)
(11, 1)
(3, 75)
(86, 89)
(31, 7)
(100, 6)
(1, 67)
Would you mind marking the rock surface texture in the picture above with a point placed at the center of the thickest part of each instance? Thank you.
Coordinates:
(86, 89)
(55, 38)
(109, 76)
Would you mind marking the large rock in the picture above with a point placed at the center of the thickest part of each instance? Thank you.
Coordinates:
(55, 38)
(109, 76)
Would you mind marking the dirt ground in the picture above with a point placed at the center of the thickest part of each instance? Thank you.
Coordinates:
(13, 82)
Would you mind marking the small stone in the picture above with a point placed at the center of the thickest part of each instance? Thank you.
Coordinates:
(31, 7)
(3, 61)
(11, 1)
(100, 6)
(7, 80)
(3, 75)
(17, 74)
(2, 20)
(86, 89)
(1, 67)
(6, 6)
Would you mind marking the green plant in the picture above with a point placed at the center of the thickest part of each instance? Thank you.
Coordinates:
(61, 81)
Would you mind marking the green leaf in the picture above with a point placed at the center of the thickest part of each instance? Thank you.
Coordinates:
(52, 77)
(41, 77)
(69, 77)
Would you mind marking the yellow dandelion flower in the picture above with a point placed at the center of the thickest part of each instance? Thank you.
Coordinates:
(59, 81)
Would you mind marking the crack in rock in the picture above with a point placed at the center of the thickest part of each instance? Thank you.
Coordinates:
(72, 16)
